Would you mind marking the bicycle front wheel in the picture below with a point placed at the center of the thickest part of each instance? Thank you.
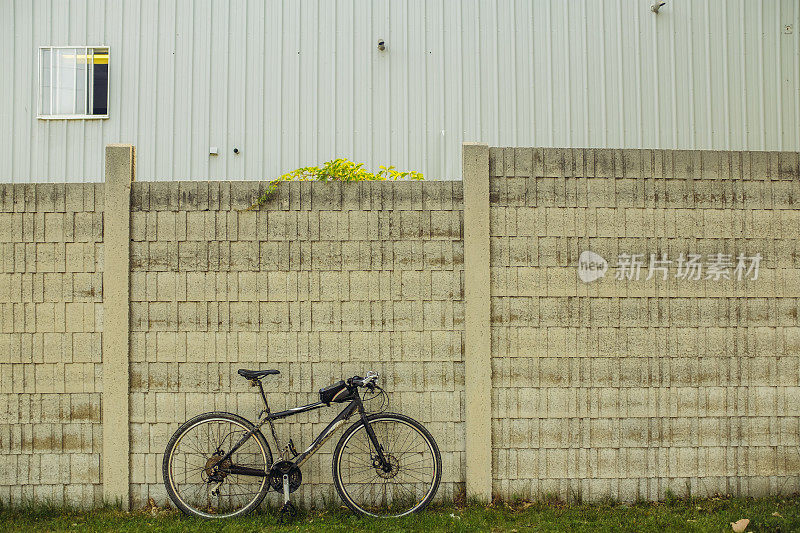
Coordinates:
(191, 471)
(406, 485)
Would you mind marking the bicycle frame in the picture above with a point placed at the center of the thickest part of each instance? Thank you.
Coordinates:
(344, 415)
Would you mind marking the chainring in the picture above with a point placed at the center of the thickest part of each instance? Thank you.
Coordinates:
(276, 476)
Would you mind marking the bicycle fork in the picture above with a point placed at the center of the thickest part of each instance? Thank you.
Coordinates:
(383, 463)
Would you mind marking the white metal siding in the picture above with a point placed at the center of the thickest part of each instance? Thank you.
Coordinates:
(292, 83)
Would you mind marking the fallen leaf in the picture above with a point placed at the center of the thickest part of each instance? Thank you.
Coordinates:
(776, 513)
(740, 525)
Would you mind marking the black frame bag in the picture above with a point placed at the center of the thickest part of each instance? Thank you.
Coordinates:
(337, 392)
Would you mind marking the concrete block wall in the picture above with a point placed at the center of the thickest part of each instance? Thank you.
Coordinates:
(51, 316)
(465, 299)
(628, 388)
(324, 282)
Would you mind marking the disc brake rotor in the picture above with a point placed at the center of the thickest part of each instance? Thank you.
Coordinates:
(394, 467)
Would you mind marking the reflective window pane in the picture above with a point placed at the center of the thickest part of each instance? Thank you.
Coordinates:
(80, 82)
(73, 81)
(64, 81)
(100, 81)
(44, 82)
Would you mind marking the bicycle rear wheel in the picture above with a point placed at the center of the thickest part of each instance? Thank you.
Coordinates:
(193, 452)
(414, 460)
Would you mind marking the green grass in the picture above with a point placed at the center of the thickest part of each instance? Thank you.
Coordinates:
(714, 514)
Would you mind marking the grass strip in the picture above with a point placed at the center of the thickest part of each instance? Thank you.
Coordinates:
(710, 514)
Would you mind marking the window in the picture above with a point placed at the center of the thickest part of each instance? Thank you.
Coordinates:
(73, 82)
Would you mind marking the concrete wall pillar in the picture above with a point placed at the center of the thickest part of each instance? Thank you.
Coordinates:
(477, 351)
(120, 171)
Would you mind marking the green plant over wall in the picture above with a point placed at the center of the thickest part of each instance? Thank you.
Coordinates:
(337, 170)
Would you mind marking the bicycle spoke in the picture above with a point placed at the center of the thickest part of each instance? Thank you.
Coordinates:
(194, 475)
(397, 486)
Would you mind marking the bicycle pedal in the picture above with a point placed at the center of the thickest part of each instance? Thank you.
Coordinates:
(287, 513)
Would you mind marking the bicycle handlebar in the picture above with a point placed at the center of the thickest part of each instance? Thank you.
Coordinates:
(367, 381)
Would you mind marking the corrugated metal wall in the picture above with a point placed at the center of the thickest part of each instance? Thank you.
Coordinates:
(298, 82)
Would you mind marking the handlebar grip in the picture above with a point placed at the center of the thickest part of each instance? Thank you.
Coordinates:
(358, 381)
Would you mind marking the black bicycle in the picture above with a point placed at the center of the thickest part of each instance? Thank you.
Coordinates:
(219, 465)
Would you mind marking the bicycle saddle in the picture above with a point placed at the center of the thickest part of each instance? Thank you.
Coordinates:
(255, 374)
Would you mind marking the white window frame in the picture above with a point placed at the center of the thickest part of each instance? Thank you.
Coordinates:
(86, 48)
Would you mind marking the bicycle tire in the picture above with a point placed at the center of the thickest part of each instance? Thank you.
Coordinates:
(183, 432)
(385, 426)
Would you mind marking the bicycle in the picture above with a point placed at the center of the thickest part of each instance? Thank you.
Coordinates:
(384, 465)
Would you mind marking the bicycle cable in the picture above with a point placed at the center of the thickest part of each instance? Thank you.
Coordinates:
(384, 405)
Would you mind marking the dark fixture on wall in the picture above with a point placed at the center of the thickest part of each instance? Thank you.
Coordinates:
(381, 45)
(235, 150)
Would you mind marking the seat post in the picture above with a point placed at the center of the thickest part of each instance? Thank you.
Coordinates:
(263, 396)
(269, 417)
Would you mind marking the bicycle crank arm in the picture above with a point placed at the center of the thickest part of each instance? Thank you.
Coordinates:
(244, 471)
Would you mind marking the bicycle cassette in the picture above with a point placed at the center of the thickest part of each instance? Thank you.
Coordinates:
(276, 476)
